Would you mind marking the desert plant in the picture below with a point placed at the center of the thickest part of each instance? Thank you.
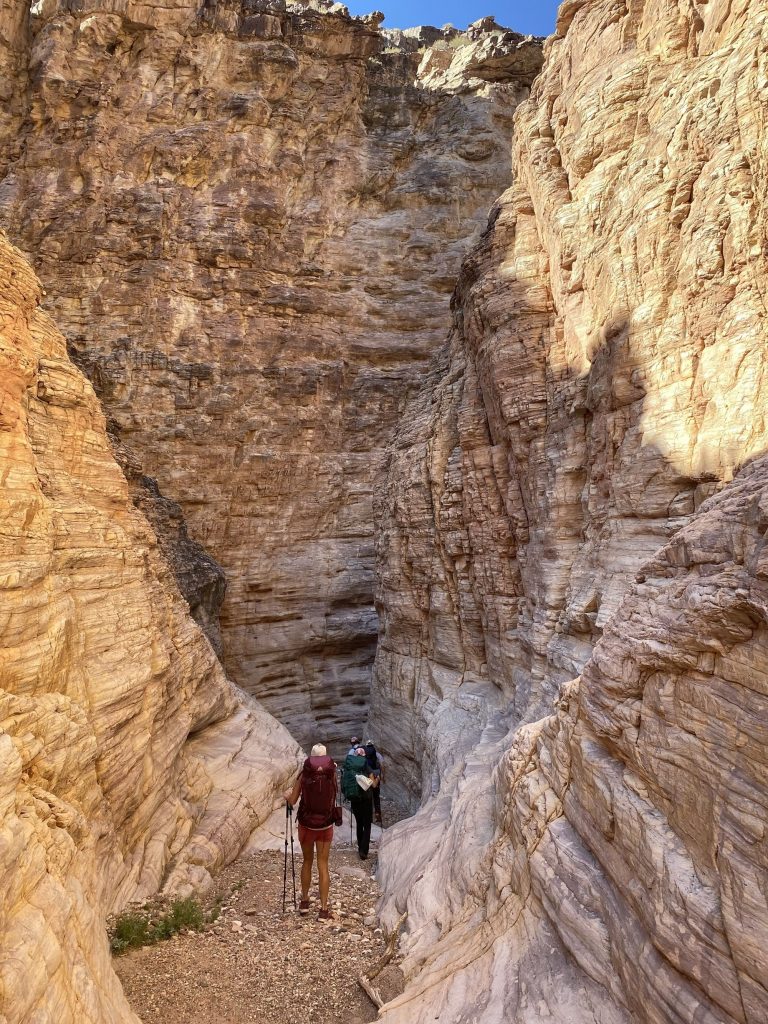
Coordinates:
(130, 931)
(138, 927)
(184, 915)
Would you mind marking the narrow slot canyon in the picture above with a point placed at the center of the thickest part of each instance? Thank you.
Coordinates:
(280, 220)
(394, 384)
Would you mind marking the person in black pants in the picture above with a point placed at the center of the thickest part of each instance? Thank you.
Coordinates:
(362, 800)
(362, 808)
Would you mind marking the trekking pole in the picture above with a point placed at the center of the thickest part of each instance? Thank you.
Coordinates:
(285, 859)
(343, 797)
(293, 863)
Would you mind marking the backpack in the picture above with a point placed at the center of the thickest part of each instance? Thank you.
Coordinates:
(372, 757)
(318, 793)
(354, 765)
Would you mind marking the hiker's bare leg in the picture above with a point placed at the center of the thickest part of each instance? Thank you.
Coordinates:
(323, 853)
(307, 853)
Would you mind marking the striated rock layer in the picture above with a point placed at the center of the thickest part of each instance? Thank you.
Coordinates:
(129, 761)
(572, 664)
(14, 49)
(249, 219)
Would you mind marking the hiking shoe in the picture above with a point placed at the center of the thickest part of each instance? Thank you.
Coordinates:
(325, 915)
(304, 907)
(361, 855)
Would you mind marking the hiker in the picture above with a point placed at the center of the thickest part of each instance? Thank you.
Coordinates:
(357, 781)
(316, 788)
(376, 767)
(355, 744)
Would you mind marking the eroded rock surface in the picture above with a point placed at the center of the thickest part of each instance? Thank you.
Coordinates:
(129, 761)
(200, 578)
(14, 50)
(249, 219)
(572, 660)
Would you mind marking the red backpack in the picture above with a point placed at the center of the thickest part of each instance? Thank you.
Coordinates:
(318, 793)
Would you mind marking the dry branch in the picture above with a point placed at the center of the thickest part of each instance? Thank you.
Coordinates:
(365, 980)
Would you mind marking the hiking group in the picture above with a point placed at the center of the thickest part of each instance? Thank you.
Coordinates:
(316, 790)
(361, 779)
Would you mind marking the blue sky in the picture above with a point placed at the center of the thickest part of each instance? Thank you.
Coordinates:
(536, 16)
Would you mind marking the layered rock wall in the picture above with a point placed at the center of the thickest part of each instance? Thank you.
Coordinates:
(14, 50)
(572, 528)
(249, 219)
(129, 761)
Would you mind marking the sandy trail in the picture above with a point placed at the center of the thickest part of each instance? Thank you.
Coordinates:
(255, 965)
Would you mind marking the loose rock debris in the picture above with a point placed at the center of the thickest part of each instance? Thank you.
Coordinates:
(256, 966)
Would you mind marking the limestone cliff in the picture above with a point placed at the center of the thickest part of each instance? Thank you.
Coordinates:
(572, 598)
(249, 218)
(129, 761)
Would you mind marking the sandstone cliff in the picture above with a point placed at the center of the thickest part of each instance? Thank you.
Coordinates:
(128, 760)
(573, 602)
(14, 48)
(249, 219)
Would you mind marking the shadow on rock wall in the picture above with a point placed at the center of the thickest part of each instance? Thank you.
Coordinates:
(606, 862)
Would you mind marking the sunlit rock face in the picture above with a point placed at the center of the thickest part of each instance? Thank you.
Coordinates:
(249, 221)
(572, 659)
(129, 761)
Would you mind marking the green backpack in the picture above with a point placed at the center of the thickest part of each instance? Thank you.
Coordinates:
(354, 765)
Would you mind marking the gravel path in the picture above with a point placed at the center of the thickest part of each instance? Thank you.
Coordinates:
(256, 966)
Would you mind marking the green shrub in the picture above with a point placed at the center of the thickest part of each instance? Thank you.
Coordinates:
(184, 915)
(138, 928)
(130, 931)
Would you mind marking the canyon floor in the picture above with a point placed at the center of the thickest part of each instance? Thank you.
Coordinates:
(256, 964)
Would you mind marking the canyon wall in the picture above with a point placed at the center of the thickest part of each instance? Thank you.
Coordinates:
(248, 218)
(129, 761)
(14, 49)
(572, 597)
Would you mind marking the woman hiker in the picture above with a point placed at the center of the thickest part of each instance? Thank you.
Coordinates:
(357, 781)
(317, 790)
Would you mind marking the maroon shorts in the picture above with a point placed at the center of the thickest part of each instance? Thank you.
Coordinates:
(315, 835)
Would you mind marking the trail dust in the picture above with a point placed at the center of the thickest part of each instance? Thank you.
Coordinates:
(254, 965)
